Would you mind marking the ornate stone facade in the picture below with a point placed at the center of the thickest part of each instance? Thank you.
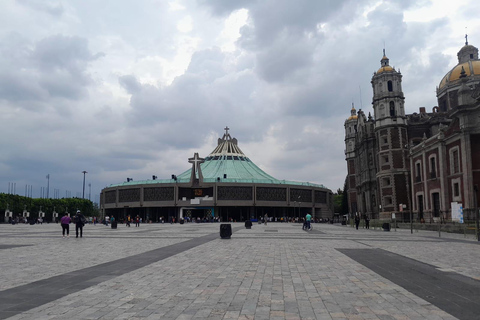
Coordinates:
(416, 165)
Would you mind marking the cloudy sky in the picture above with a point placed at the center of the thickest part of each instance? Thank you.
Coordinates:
(133, 88)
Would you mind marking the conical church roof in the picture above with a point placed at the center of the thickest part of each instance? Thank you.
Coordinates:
(227, 161)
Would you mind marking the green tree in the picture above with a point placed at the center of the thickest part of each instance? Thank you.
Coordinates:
(344, 207)
(17, 204)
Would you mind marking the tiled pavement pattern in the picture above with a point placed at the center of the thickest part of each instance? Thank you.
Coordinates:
(276, 271)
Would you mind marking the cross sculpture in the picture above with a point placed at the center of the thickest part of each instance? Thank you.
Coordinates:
(196, 161)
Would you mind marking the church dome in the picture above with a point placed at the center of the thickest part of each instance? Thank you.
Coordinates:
(386, 68)
(353, 114)
(472, 68)
(467, 61)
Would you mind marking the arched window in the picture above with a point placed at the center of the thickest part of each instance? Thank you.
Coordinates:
(390, 86)
(392, 109)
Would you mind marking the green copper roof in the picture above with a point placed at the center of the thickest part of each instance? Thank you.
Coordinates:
(228, 163)
(227, 159)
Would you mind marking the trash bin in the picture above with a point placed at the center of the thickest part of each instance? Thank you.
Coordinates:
(386, 226)
(114, 224)
(248, 224)
(182, 221)
(225, 231)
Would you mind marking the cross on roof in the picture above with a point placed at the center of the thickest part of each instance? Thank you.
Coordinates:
(196, 160)
(226, 129)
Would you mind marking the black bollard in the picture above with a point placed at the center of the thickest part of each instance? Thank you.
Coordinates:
(225, 231)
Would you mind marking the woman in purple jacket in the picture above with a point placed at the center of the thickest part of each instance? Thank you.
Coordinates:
(65, 222)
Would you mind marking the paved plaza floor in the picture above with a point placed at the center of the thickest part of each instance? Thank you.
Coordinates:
(277, 271)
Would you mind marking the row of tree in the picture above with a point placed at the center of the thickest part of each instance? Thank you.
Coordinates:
(17, 204)
(340, 200)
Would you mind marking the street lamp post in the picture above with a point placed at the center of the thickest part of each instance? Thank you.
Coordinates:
(48, 184)
(294, 210)
(477, 219)
(84, 172)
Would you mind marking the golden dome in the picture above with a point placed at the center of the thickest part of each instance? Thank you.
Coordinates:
(355, 117)
(386, 68)
(472, 68)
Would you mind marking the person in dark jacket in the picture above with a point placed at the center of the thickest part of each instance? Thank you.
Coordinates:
(79, 223)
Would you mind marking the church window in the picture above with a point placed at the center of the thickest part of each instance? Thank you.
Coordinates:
(456, 189)
(388, 201)
(392, 109)
(433, 168)
(418, 176)
(454, 161)
(386, 182)
(390, 86)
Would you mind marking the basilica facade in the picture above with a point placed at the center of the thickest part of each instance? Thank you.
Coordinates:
(417, 165)
(224, 186)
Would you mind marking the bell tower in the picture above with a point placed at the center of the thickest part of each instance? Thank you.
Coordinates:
(350, 134)
(392, 140)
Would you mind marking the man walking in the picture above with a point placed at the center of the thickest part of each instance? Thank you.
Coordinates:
(308, 219)
(357, 220)
(79, 223)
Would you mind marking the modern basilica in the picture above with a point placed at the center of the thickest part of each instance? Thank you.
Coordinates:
(226, 185)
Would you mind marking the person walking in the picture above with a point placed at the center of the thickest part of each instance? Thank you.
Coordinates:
(79, 223)
(65, 223)
(137, 221)
(367, 222)
(266, 218)
(308, 220)
(357, 220)
(128, 221)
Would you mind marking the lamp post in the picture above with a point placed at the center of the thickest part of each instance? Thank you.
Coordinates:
(298, 207)
(48, 184)
(475, 200)
(84, 172)
(294, 210)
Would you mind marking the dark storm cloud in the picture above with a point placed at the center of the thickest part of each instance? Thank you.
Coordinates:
(284, 57)
(130, 83)
(225, 7)
(271, 18)
(144, 108)
(54, 67)
(60, 52)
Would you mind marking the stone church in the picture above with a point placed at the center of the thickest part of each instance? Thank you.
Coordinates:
(417, 164)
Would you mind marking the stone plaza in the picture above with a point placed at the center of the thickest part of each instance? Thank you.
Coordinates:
(274, 271)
